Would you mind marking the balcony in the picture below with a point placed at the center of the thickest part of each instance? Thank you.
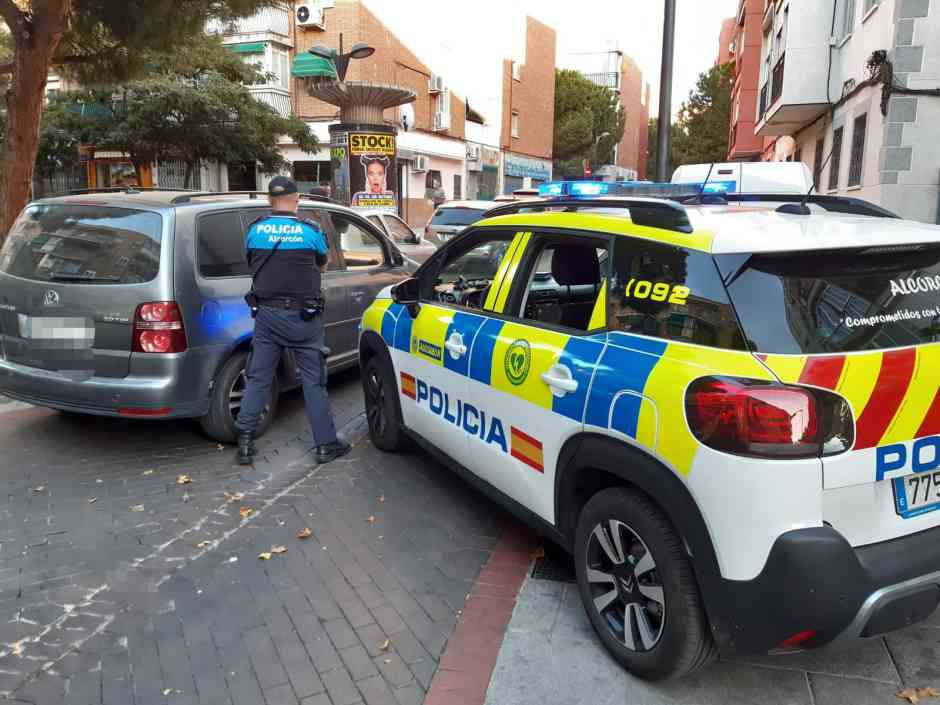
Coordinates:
(605, 79)
(277, 98)
(268, 24)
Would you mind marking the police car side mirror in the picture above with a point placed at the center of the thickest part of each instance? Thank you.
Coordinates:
(407, 293)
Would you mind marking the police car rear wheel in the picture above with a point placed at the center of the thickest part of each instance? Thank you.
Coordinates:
(382, 410)
(638, 588)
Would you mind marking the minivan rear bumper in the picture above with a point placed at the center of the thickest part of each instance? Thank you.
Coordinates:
(814, 581)
(153, 395)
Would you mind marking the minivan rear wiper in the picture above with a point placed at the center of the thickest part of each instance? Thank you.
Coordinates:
(81, 278)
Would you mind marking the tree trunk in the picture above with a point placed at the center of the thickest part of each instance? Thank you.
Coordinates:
(35, 43)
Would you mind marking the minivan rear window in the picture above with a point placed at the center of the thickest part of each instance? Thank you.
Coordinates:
(85, 244)
(839, 301)
(457, 216)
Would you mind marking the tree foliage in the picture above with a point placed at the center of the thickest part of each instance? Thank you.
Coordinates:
(91, 40)
(193, 105)
(589, 123)
(700, 134)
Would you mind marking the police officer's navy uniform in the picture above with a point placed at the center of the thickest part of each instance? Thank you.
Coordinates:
(285, 253)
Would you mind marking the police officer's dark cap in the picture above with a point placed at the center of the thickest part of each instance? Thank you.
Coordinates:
(282, 186)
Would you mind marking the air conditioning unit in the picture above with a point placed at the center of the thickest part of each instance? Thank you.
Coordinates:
(441, 122)
(310, 14)
(421, 163)
(435, 84)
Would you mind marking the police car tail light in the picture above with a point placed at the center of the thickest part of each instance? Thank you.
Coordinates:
(757, 419)
(158, 328)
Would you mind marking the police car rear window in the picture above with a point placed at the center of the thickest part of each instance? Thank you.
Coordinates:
(84, 244)
(839, 301)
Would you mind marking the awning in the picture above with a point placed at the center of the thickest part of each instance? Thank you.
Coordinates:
(306, 65)
(246, 48)
(474, 116)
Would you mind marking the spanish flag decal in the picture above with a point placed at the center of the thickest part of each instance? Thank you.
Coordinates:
(527, 449)
(409, 386)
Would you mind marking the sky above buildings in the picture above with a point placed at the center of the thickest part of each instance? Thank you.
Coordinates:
(454, 37)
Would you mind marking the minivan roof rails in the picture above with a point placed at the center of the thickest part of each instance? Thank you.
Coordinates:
(652, 212)
(832, 204)
(117, 189)
(187, 197)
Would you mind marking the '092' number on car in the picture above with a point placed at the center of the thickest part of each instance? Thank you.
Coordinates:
(658, 291)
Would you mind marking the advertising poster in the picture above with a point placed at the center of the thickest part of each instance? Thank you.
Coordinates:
(339, 166)
(372, 175)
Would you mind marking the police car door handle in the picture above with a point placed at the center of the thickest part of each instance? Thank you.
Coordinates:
(559, 378)
(455, 345)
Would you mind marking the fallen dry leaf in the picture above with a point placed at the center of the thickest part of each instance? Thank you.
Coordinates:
(92, 500)
(39, 488)
(371, 519)
(915, 695)
(928, 693)
(384, 645)
(246, 512)
(382, 499)
(148, 472)
(203, 544)
(17, 648)
(305, 534)
(265, 556)
(278, 549)
(183, 480)
(137, 508)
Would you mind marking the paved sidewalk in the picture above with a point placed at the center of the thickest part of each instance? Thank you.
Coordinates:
(154, 592)
(550, 655)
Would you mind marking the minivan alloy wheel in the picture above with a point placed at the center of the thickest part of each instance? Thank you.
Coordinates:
(236, 393)
(625, 585)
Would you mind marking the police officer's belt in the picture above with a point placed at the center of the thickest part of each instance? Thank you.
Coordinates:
(287, 304)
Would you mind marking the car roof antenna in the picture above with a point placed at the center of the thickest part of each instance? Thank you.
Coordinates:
(801, 208)
(700, 199)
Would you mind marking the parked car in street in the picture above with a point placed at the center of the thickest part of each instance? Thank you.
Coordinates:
(452, 218)
(132, 303)
(726, 409)
(410, 242)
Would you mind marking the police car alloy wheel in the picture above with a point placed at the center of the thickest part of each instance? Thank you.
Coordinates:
(382, 411)
(638, 588)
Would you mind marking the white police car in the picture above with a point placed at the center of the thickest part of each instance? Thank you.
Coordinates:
(726, 407)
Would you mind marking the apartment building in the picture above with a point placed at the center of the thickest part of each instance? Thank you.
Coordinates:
(616, 71)
(726, 45)
(850, 87)
(744, 49)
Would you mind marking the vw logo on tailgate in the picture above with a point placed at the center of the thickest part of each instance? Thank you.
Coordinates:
(51, 298)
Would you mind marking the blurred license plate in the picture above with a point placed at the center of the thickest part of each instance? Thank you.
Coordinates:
(917, 494)
(52, 328)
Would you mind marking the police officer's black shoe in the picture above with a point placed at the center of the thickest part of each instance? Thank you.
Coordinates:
(329, 452)
(246, 449)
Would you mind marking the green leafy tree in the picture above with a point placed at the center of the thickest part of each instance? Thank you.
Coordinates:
(589, 123)
(700, 134)
(193, 105)
(92, 38)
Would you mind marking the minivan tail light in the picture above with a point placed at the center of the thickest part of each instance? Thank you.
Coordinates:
(765, 420)
(158, 328)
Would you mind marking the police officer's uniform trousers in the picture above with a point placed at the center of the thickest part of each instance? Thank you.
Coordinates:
(277, 330)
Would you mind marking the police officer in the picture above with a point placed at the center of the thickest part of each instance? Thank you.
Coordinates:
(287, 255)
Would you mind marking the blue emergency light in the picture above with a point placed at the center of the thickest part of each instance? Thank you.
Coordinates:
(595, 189)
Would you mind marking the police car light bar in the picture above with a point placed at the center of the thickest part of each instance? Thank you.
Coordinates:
(595, 189)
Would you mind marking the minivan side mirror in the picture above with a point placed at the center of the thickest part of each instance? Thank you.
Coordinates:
(407, 293)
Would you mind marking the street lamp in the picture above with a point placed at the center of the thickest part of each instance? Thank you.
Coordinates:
(341, 60)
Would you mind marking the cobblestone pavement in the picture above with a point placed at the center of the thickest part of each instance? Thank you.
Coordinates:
(119, 585)
(551, 655)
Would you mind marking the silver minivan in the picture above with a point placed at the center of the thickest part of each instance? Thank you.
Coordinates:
(131, 304)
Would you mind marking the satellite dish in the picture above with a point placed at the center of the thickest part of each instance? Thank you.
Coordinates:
(406, 117)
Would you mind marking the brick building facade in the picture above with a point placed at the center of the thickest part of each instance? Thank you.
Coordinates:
(635, 100)
(744, 144)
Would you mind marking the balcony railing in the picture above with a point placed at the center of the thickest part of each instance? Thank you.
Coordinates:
(604, 79)
(268, 20)
(776, 89)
